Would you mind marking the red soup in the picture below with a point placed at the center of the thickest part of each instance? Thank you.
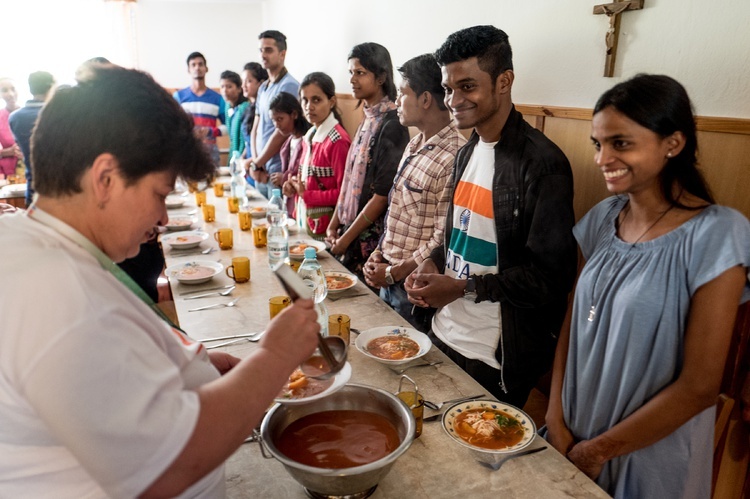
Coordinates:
(338, 439)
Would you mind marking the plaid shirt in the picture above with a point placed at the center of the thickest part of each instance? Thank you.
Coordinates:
(419, 199)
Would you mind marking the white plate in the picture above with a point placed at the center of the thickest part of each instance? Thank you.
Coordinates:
(489, 455)
(174, 201)
(320, 248)
(366, 336)
(352, 278)
(339, 380)
(291, 226)
(184, 239)
(186, 272)
(224, 171)
(180, 223)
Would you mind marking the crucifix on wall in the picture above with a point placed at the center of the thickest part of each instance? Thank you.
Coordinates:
(613, 11)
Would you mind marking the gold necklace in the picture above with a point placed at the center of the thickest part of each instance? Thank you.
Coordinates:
(594, 299)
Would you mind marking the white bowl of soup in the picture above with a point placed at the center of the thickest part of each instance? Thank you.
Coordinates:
(195, 272)
(340, 281)
(297, 248)
(490, 429)
(393, 345)
(339, 462)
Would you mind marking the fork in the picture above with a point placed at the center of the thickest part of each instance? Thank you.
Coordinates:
(217, 305)
(436, 406)
(403, 370)
(251, 337)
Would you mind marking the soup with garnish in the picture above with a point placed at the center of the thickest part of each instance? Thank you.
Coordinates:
(301, 385)
(335, 282)
(393, 347)
(488, 428)
(298, 249)
(338, 439)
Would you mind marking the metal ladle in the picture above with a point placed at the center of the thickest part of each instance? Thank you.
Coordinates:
(333, 349)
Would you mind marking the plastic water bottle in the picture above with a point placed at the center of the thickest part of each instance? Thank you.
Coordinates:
(312, 275)
(278, 236)
(238, 183)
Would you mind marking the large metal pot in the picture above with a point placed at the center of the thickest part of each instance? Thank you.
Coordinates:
(346, 481)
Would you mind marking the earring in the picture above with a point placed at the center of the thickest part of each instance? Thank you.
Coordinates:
(669, 154)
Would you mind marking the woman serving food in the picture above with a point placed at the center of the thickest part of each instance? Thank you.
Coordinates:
(100, 395)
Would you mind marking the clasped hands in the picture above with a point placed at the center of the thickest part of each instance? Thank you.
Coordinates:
(427, 287)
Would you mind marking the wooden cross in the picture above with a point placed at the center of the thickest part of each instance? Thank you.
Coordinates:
(613, 11)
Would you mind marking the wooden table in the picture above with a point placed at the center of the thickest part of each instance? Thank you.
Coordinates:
(434, 466)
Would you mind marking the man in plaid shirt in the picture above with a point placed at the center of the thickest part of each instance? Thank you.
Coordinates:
(420, 195)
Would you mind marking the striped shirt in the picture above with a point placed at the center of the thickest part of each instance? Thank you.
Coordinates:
(420, 196)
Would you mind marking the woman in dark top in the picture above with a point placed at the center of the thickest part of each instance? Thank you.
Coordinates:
(253, 75)
(357, 222)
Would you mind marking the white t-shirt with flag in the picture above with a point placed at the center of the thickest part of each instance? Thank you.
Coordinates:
(472, 329)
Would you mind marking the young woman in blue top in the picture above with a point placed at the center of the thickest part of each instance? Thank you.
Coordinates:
(641, 355)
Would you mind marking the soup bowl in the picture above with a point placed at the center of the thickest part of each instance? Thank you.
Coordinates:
(343, 481)
(483, 454)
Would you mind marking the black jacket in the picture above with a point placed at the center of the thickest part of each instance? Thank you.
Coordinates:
(532, 192)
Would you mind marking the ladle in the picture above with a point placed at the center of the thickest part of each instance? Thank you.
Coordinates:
(333, 349)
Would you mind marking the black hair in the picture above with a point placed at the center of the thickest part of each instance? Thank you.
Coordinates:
(234, 78)
(422, 74)
(257, 70)
(195, 55)
(277, 36)
(325, 83)
(376, 59)
(488, 44)
(662, 105)
(287, 103)
(40, 82)
(119, 111)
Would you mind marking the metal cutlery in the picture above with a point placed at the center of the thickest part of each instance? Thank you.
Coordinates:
(184, 293)
(426, 364)
(211, 293)
(437, 406)
(239, 338)
(216, 305)
(496, 466)
(191, 252)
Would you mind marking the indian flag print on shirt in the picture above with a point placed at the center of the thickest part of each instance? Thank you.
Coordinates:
(473, 242)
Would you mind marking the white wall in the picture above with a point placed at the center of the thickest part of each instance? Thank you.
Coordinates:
(558, 45)
(226, 32)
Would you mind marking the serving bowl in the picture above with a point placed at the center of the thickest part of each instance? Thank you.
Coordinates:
(365, 337)
(490, 456)
(343, 481)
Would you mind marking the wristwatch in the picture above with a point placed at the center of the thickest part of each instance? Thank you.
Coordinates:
(470, 291)
(388, 277)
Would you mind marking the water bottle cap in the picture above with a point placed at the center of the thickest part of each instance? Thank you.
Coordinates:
(311, 253)
(276, 192)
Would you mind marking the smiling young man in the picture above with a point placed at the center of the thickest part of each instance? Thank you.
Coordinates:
(203, 104)
(419, 198)
(508, 260)
(265, 167)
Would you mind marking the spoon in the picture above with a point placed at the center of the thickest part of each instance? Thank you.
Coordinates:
(217, 305)
(402, 371)
(193, 252)
(220, 293)
(496, 466)
(436, 406)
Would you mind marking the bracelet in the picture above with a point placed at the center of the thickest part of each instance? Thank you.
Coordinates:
(367, 219)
